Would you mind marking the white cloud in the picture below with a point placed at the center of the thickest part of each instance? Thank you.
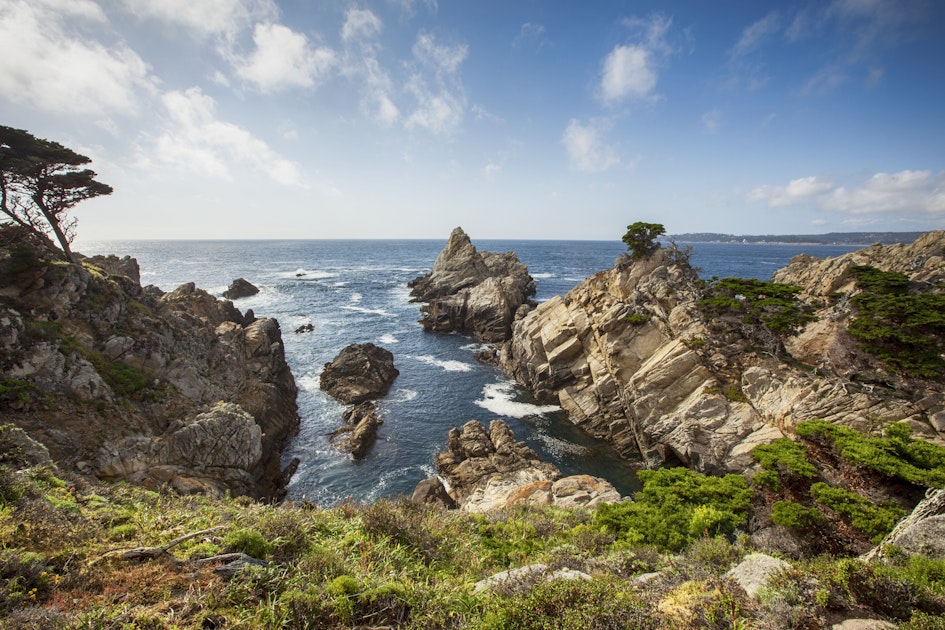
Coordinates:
(195, 140)
(755, 35)
(902, 193)
(441, 99)
(409, 6)
(283, 59)
(44, 64)
(360, 23)
(206, 18)
(905, 191)
(796, 191)
(530, 34)
(444, 59)
(586, 149)
(629, 72)
(360, 61)
(712, 120)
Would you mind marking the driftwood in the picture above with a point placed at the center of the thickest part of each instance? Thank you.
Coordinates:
(149, 553)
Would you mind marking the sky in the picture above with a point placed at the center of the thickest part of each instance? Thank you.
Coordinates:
(521, 119)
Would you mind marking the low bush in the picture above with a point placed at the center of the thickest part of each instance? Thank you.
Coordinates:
(791, 514)
(874, 520)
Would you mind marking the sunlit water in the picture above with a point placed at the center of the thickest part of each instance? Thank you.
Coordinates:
(356, 291)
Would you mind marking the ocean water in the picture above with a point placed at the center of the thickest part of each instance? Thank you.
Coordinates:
(355, 291)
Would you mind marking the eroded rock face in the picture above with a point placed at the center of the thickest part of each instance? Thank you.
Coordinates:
(360, 372)
(471, 291)
(631, 358)
(486, 470)
(137, 367)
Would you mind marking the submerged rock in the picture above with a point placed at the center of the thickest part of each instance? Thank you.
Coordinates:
(360, 431)
(481, 293)
(360, 372)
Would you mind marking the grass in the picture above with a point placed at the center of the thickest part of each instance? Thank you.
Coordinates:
(398, 564)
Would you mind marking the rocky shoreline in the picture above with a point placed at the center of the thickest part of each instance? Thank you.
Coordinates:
(120, 381)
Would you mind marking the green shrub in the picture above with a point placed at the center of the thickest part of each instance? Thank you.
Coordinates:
(895, 455)
(677, 505)
(791, 514)
(769, 303)
(247, 541)
(874, 520)
(637, 319)
(781, 457)
(905, 331)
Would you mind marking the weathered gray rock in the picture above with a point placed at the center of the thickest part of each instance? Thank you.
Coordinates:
(240, 288)
(523, 578)
(360, 372)
(754, 571)
(111, 264)
(921, 532)
(470, 291)
(211, 452)
(19, 450)
(864, 624)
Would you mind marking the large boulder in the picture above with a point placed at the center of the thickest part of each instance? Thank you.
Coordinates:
(481, 293)
(360, 372)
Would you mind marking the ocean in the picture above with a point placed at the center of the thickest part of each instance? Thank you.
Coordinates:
(355, 291)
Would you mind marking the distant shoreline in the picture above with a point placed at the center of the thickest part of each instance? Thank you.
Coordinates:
(859, 239)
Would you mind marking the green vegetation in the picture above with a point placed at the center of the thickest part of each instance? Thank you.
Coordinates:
(783, 457)
(791, 514)
(874, 520)
(399, 564)
(641, 238)
(896, 454)
(905, 331)
(637, 319)
(677, 506)
(772, 304)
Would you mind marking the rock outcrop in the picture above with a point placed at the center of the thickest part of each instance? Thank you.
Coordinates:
(481, 293)
(633, 359)
(360, 430)
(124, 382)
(360, 372)
(240, 288)
(485, 470)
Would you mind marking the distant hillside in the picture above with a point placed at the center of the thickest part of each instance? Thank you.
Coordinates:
(832, 238)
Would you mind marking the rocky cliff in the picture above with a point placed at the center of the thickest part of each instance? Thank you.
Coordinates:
(481, 293)
(663, 365)
(127, 382)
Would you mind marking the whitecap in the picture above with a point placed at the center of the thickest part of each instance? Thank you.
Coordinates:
(477, 347)
(368, 311)
(388, 338)
(561, 447)
(356, 298)
(404, 395)
(449, 366)
(307, 274)
(309, 382)
(543, 275)
(499, 398)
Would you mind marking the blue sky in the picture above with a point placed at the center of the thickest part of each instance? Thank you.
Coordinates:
(513, 119)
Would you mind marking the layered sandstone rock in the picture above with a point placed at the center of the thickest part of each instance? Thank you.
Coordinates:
(485, 470)
(128, 365)
(631, 358)
(471, 291)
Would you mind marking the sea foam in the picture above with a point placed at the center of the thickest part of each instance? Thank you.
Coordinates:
(499, 398)
(448, 365)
